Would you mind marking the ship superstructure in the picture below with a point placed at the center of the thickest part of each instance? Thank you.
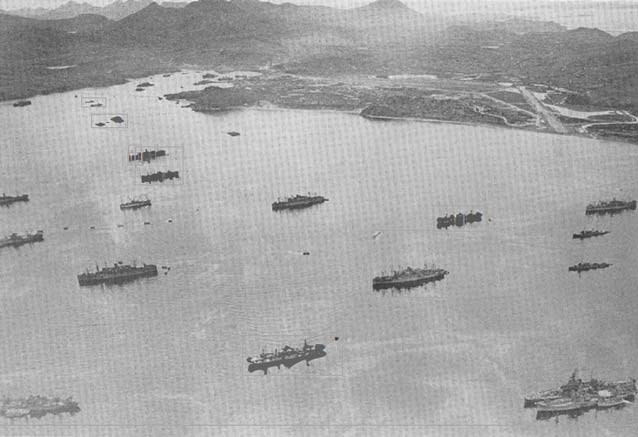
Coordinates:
(459, 219)
(160, 176)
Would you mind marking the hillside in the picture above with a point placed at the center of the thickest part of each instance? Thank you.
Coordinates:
(383, 37)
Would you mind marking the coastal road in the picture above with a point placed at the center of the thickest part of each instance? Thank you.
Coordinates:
(551, 120)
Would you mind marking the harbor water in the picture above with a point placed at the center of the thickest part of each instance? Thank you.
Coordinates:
(167, 355)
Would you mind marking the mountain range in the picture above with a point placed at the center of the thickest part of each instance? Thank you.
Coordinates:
(113, 11)
(383, 37)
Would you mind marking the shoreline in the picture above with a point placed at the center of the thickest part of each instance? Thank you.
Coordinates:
(275, 107)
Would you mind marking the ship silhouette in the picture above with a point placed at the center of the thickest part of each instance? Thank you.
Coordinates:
(286, 357)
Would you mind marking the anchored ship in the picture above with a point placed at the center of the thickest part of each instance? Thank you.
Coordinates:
(583, 267)
(407, 278)
(37, 406)
(287, 357)
(119, 273)
(8, 200)
(610, 207)
(298, 201)
(589, 234)
(578, 396)
(16, 240)
(135, 204)
(147, 155)
(459, 219)
(160, 176)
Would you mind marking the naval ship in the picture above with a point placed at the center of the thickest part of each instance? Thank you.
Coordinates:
(119, 273)
(16, 240)
(160, 176)
(8, 200)
(146, 155)
(578, 396)
(407, 278)
(610, 207)
(583, 267)
(298, 201)
(589, 234)
(135, 204)
(287, 357)
(36, 406)
(459, 219)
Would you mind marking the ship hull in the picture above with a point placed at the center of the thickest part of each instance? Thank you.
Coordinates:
(17, 243)
(410, 283)
(297, 205)
(612, 209)
(286, 362)
(135, 206)
(9, 200)
(151, 271)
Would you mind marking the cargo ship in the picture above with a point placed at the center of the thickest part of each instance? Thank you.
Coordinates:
(610, 207)
(16, 240)
(117, 274)
(589, 234)
(298, 201)
(135, 204)
(408, 278)
(583, 267)
(287, 357)
(8, 200)
(36, 406)
(160, 176)
(459, 219)
(146, 155)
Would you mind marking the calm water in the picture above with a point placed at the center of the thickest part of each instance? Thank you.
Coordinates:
(166, 355)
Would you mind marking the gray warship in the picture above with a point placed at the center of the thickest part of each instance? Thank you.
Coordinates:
(589, 233)
(298, 201)
(610, 207)
(8, 200)
(135, 204)
(36, 406)
(117, 274)
(578, 396)
(16, 240)
(409, 277)
(584, 267)
(287, 357)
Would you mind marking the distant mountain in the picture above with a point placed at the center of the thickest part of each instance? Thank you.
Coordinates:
(384, 37)
(113, 11)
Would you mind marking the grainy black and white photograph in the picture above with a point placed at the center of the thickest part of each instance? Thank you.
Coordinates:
(318, 218)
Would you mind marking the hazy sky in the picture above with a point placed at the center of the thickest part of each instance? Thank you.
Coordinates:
(421, 5)
(615, 16)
